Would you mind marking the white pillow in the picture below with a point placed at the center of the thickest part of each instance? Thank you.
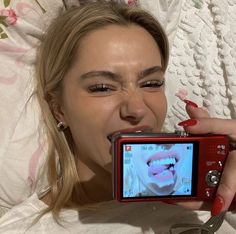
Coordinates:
(23, 148)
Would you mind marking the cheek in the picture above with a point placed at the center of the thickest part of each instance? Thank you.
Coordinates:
(90, 112)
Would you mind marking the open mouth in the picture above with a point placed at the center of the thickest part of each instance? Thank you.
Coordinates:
(162, 165)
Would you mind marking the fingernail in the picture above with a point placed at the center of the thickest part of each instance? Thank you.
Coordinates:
(190, 103)
(217, 206)
(189, 122)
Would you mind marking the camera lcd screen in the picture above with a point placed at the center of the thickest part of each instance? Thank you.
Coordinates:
(159, 170)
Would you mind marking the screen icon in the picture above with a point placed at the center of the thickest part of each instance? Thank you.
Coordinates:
(128, 148)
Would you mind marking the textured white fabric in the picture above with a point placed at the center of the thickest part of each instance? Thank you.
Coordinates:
(105, 218)
(203, 55)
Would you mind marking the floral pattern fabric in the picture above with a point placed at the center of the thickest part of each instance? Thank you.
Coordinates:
(22, 147)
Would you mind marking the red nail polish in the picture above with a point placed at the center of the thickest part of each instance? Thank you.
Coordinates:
(190, 103)
(217, 206)
(189, 122)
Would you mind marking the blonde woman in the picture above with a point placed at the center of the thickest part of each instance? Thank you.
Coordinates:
(100, 70)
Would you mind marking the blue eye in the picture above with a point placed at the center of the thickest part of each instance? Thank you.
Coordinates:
(152, 84)
(100, 88)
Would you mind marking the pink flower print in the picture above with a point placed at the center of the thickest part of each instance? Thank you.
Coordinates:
(10, 14)
(132, 2)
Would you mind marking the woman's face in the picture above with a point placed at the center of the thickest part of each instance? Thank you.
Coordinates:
(116, 84)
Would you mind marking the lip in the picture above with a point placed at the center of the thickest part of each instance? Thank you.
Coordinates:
(163, 155)
(130, 130)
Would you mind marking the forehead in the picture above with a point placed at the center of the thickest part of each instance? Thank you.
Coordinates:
(116, 43)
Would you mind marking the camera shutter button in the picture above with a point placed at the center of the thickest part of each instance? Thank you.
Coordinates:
(213, 178)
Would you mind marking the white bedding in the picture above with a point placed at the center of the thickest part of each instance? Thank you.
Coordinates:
(23, 149)
(105, 218)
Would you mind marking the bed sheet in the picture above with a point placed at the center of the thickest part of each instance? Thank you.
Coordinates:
(22, 144)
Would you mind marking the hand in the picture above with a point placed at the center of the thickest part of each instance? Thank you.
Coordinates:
(201, 123)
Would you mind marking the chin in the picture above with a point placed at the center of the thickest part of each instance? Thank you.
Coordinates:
(166, 190)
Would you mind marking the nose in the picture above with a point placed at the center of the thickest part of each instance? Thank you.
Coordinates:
(133, 107)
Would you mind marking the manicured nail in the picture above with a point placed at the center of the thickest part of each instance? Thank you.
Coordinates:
(187, 123)
(190, 103)
(217, 206)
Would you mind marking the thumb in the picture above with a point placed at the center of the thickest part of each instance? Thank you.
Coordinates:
(227, 187)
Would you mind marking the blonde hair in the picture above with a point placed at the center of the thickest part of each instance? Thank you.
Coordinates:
(55, 56)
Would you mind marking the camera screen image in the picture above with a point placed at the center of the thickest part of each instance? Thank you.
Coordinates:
(159, 170)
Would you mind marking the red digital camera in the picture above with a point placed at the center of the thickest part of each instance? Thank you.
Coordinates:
(167, 167)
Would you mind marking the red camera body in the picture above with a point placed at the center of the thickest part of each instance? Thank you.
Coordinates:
(167, 167)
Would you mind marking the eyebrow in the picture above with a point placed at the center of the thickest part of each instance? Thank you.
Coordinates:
(150, 71)
(114, 76)
(107, 74)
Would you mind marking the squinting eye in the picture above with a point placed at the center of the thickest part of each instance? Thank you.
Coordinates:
(152, 84)
(98, 88)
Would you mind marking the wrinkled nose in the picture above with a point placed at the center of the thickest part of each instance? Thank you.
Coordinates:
(133, 107)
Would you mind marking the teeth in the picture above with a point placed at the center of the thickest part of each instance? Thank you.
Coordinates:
(164, 161)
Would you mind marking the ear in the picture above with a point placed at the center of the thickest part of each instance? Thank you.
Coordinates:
(58, 112)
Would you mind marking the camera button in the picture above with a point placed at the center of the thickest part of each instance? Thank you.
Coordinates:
(213, 178)
(208, 194)
(220, 163)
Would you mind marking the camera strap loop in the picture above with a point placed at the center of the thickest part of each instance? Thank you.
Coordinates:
(210, 227)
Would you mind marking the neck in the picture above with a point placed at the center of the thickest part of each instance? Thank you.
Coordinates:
(95, 182)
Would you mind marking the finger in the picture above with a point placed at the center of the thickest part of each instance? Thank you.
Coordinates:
(212, 125)
(196, 112)
(227, 187)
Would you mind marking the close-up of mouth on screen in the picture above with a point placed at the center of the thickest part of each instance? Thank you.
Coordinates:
(158, 170)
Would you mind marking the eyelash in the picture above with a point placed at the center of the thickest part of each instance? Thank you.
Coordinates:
(152, 84)
(99, 88)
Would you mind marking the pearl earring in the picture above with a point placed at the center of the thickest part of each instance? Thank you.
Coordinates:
(61, 126)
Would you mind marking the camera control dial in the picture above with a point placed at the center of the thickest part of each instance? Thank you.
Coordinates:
(213, 178)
